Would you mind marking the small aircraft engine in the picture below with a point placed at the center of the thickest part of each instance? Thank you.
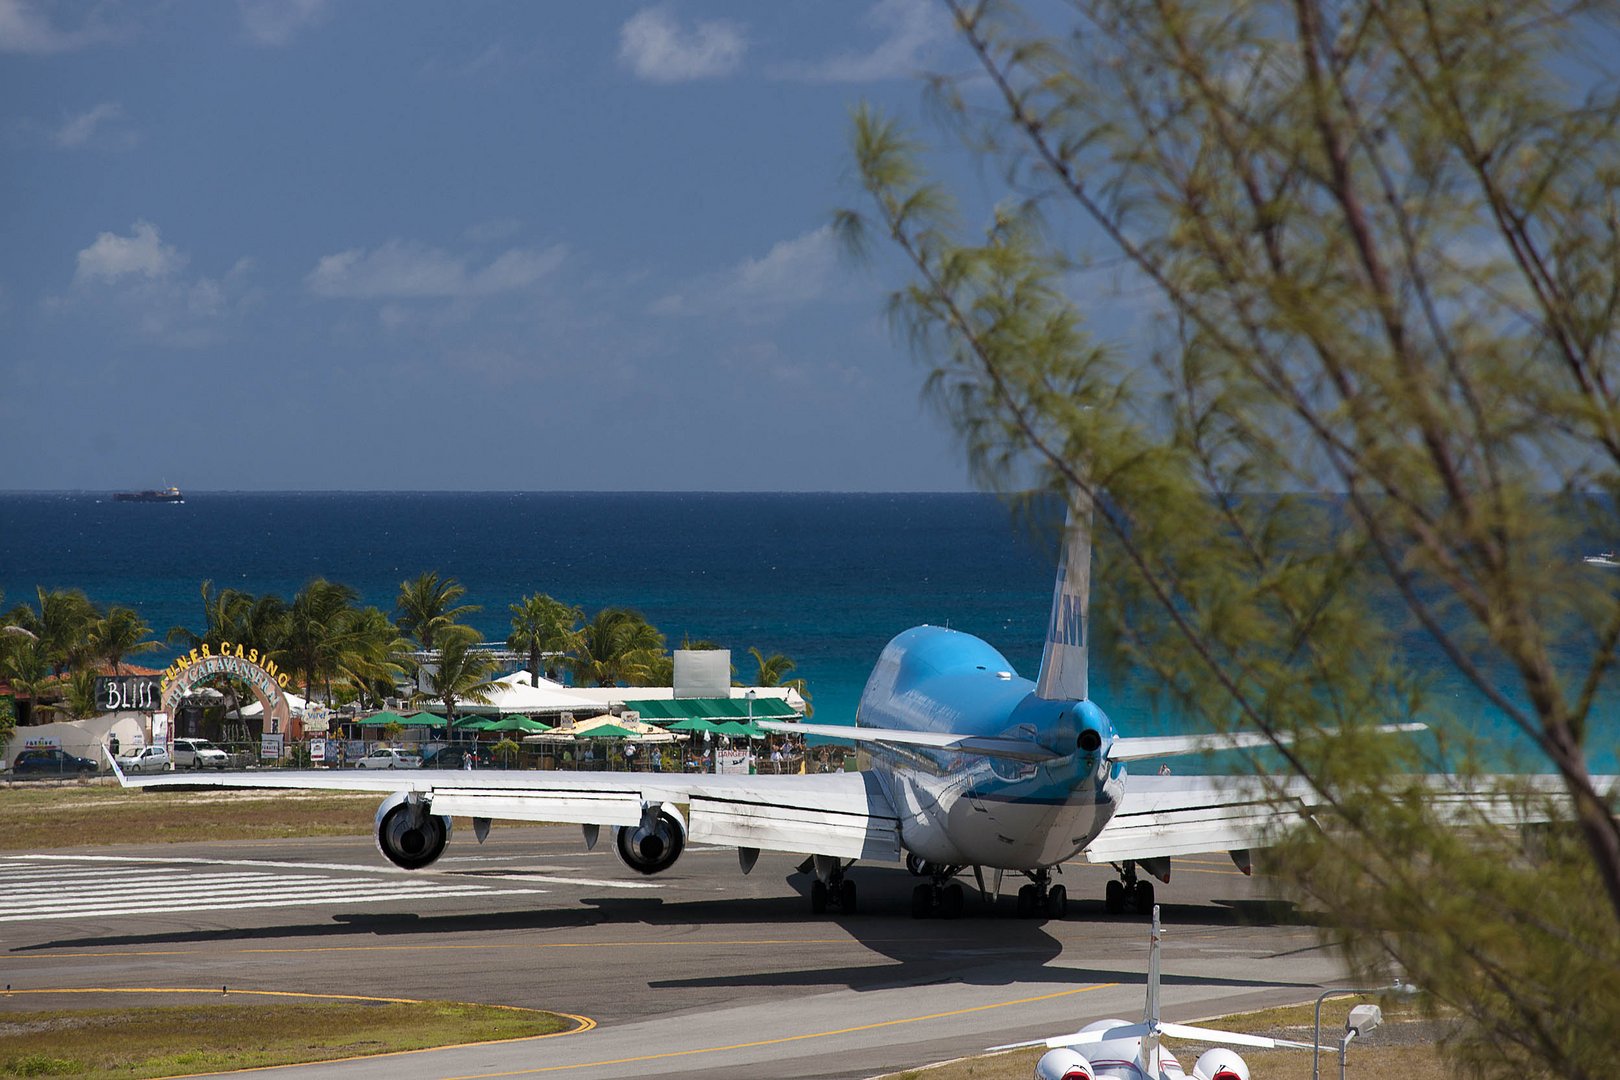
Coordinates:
(1063, 1064)
(1221, 1064)
(653, 846)
(409, 836)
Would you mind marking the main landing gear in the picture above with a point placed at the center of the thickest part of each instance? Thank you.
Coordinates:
(1128, 892)
(1042, 898)
(939, 897)
(831, 889)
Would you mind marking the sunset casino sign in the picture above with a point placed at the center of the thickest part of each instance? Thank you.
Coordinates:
(236, 661)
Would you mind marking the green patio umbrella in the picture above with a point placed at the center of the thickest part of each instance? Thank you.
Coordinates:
(475, 723)
(518, 723)
(383, 719)
(424, 719)
(607, 731)
(695, 724)
(738, 730)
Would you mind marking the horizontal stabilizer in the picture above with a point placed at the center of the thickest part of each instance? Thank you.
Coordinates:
(1155, 746)
(1230, 1038)
(1015, 749)
(1079, 1038)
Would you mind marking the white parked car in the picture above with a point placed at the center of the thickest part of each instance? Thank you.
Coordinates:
(386, 757)
(199, 754)
(145, 759)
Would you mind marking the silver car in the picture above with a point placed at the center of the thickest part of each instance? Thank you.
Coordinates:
(145, 759)
(199, 754)
(386, 757)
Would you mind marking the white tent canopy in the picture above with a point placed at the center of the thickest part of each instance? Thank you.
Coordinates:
(514, 694)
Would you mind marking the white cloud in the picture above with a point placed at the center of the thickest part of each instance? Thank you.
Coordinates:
(658, 49)
(403, 270)
(140, 254)
(87, 126)
(137, 282)
(910, 30)
(276, 22)
(794, 272)
(23, 29)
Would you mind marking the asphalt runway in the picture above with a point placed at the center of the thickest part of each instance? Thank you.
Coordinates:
(698, 971)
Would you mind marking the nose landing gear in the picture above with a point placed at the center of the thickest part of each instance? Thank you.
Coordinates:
(1042, 898)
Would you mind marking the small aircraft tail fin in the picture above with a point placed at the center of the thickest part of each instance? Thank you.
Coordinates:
(1063, 661)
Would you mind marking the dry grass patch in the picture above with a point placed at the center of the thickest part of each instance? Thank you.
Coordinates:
(180, 1039)
(96, 814)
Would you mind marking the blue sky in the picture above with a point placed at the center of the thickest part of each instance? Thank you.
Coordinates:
(299, 244)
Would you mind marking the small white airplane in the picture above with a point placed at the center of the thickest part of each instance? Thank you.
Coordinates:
(1118, 1050)
(966, 765)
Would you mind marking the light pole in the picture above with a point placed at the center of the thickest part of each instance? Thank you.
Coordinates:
(1397, 989)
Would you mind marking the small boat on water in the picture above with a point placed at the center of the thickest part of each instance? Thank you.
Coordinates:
(169, 494)
(1607, 558)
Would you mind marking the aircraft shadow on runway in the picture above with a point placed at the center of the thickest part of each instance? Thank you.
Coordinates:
(988, 946)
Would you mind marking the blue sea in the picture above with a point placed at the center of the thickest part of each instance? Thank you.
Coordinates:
(827, 579)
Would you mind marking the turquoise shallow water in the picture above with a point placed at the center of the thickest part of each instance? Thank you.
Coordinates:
(825, 578)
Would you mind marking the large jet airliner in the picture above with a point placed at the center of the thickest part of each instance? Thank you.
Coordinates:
(967, 765)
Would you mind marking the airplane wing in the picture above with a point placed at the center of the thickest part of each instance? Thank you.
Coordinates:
(1015, 749)
(846, 815)
(1162, 816)
(1184, 815)
(1152, 746)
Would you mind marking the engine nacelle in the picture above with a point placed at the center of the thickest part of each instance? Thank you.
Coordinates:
(1221, 1064)
(1063, 1064)
(653, 846)
(409, 836)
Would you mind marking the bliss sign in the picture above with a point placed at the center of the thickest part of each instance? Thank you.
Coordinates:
(133, 693)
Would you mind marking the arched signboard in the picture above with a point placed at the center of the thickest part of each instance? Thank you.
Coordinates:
(238, 661)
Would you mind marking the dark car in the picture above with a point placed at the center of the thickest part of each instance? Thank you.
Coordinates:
(49, 761)
(455, 757)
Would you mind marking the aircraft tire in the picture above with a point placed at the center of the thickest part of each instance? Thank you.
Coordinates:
(951, 901)
(1114, 898)
(1144, 897)
(1057, 902)
(922, 901)
(1026, 902)
(846, 897)
(818, 897)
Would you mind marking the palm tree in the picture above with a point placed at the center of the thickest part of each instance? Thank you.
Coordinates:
(543, 625)
(79, 694)
(462, 674)
(617, 646)
(424, 607)
(118, 634)
(61, 625)
(375, 658)
(22, 663)
(773, 669)
(319, 631)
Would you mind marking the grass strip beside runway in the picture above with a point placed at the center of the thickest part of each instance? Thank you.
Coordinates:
(177, 1040)
(42, 817)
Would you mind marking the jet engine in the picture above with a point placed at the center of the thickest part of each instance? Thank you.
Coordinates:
(409, 836)
(1221, 1064)
(1063, 1064)
(653, 846)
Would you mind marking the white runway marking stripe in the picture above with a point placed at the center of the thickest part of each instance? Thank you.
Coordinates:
(36, 887)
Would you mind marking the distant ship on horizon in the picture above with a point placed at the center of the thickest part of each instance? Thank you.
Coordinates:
(169, 494)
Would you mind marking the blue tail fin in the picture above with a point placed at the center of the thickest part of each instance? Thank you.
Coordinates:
(1063, 662)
